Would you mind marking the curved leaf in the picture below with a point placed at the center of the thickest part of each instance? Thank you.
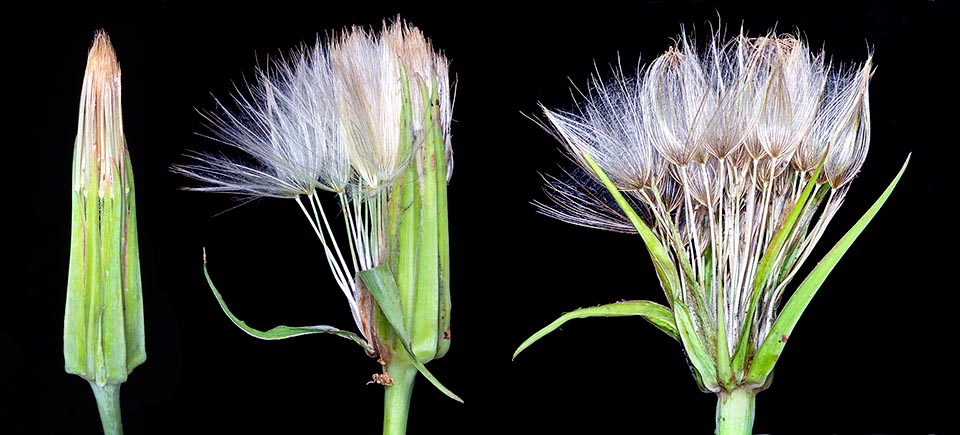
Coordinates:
(656, 314)
(770, 351)
(280, 332)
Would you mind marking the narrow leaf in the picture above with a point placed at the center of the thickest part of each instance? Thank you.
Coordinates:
(656, 314)
(281, 332)
(772, 347)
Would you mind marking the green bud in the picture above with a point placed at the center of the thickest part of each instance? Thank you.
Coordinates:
(103, 336)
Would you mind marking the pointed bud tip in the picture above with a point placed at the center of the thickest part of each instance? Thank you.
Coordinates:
(102, 59)
(100, 144)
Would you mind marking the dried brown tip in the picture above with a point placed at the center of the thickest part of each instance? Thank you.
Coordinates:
(100, 148)
(102, 59)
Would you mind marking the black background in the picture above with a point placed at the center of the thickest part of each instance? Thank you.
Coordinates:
(869, 356)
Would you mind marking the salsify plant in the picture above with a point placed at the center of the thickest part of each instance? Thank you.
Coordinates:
(363, 118)
(729, 160)
(103, 338)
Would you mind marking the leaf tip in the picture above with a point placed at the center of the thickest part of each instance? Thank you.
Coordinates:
(523, 346)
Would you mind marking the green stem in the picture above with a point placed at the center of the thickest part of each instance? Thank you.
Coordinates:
(735, 411)
(108, 401)
(396, 398)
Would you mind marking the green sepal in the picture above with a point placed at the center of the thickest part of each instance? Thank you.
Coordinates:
(408, 236)
(383, 287)
(769, 352)
(656, 314)
(112, 357)
(75, 316)
(132, 287)
(765, 269)
(281, 332)
(724, 370)
(103, 335)
(405, 144)
(443, 245)
(696, 352)
(424, 334)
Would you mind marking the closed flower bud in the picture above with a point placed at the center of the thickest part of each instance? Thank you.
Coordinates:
(103, 324)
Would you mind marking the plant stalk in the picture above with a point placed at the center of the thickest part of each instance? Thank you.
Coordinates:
(108, 402)
(735, 410)
(396, 398)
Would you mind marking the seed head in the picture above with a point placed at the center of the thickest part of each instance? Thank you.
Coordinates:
(716, 146)
(360, 114)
